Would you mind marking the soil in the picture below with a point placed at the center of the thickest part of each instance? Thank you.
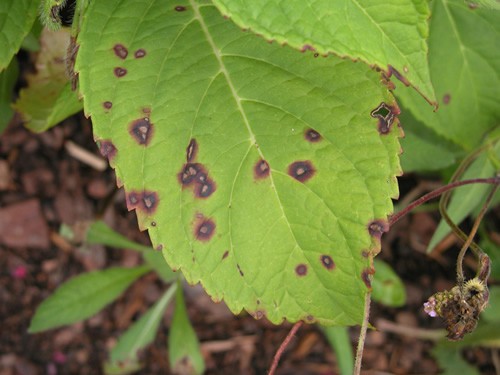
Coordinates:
(42, 186)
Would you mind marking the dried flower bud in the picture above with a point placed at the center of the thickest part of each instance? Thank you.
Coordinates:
(459, 307)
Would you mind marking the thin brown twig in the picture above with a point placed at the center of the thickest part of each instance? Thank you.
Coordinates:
(283, 346)
(435, 193)
(384, 325)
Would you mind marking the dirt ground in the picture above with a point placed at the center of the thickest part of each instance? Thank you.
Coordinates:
(42, 186)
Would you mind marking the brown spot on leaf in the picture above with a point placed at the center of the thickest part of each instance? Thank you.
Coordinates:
(191, 150)
(239, 270)
(149, 202)
(366, 276)
(141, 130)
(188, 173)
(365, 253)
(132, 199)
(120, 72)
(307, 47)
(226, 253)
(301, 170)
(377, 227)
(204, 229)
(310, 318)
(121, 51)
(180, 8)
(312, 135)
(204, 189)
(316, 54)
(398, 75)
(159, 247)
(195, 174)
(446, 98)
(140, 53)
(261, 169)
(385, 115)
(327, 262)
(107, 149)
(107, 105)
(301, 270)
(153, 223)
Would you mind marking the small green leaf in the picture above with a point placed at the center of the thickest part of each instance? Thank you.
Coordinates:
(83, 296)
(492, 311)
(8, 79)
(49, 99)
(339, 340)
(379, 34)
(464, 60)
(466, 199)
(388, 288)
(139, 335)
(451, 361)
(100, 233)
(16, 19)
(183, 346)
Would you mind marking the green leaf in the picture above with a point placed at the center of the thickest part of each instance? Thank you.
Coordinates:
(492, 311)
(292, 168)
(488, 4)
(49, 99)
(83, 296)
(464, 60)
(100, 233)
(183, 347)
(339, 340)
(8, 79)
(139, 335)
(423, 148)
(451, 361)
(16, 19)
(377, 33)
(466, 199)
(388, 288)
(493, 251)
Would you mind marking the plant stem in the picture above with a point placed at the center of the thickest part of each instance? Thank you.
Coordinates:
(283, 346)
(418, 333)
(362, 335)
(435, 193)
(479, 252)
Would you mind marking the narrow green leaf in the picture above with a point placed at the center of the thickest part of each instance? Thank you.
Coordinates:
(292, 157)
(388, 288)
(49, 99)
(100, 233)
(464, 60)
(83, 296)
(492, 311)
(451, 361)
(8, 79)
(389, 33)
(183, 346)
(467, 198)
(140, 334)
(339, 340)
(16, 19)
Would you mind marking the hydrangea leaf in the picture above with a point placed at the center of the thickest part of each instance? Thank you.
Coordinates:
(16, 19)
(389, 34)
(263, 173)
(49, 99)
(464, 60)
